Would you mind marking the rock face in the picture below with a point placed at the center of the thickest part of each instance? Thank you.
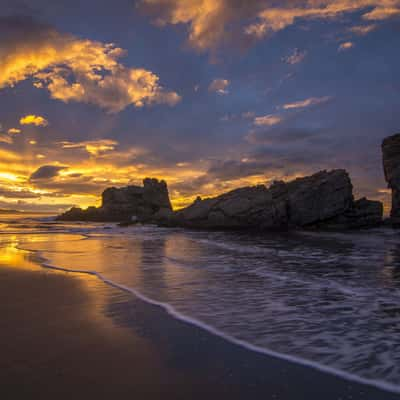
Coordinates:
(319, 197)
(241, 208)
(129, 203)
(323, 200)
(363, 213)
(391, 167)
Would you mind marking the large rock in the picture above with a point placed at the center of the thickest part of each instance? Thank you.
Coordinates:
(391, 167)
(249, 207)
(319, 197)
(363, 213)
(138, 203)
(304, 202)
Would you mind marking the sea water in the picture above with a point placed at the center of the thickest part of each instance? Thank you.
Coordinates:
(327, 300)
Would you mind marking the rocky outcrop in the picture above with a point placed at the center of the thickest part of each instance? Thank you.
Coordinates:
(250, 207)
(391, 167)
(363, 213)
(319, 197)
(130, 203)
(323, 200)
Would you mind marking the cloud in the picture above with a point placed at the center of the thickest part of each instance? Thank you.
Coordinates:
(5, 138)
(215, 23)
(362, 30)
(346, 46)
(274, 19)
(312, 101)
(268, 120)
(94, 147)
(219, 86)
(280, 136)
(36, 120)
(74, 69)
(46, 172)
(14, 131)
(18, 194)
(295, 57)
(22, 205)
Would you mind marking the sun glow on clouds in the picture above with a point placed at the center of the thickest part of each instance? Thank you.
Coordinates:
(36, 120)
(212, 23)
(14, 131)
(95, 147)
(80, 70)
(76, 173)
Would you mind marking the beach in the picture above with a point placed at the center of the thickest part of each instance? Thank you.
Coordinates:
(69, 335)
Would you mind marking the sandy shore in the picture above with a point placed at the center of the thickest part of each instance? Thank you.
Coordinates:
(69, 335)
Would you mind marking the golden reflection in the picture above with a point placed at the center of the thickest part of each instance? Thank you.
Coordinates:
(12, 256)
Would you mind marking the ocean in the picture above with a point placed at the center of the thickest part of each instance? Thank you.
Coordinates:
(330, 301)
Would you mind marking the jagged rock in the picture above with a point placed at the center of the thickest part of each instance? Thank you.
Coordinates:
(391, 167)
(363, 213)
(125, 204)
(319, 197)
(250, 207)
(312, 201)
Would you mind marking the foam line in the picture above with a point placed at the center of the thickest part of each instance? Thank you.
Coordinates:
(386, 386)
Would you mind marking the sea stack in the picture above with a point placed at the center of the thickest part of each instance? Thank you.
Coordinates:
(127, 204)
(391, 167)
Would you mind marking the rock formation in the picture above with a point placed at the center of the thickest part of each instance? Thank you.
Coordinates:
(323, 200)
(130, 203)
(391, 167)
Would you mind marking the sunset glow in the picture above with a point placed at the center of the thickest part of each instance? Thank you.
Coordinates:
(238, 97)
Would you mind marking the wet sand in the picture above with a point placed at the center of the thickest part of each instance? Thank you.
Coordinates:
(67, 335)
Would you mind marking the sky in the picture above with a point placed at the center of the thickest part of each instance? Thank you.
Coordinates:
(209, 95)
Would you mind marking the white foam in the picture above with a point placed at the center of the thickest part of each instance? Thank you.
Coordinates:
(379, 384)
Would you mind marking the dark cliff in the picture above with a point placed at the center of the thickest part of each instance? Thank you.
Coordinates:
(391, 168)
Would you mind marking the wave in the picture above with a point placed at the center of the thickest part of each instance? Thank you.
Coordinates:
(173, 312)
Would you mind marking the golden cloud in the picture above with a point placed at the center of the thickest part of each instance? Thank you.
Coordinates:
(5, 138)
(274, 19)
(14, 131)
(362, 30)
(36, 120)
(212, 23)
(94, 147)
(312, 101)
(74, 69)
(219, 86)
(268, 120)
(346, 46)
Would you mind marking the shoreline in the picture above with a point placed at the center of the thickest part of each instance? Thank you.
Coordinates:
(171, 311)
(236, 357)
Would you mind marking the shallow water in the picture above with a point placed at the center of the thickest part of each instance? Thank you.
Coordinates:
(332, 300)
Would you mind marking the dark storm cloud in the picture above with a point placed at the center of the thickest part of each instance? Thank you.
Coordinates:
(46, 172)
